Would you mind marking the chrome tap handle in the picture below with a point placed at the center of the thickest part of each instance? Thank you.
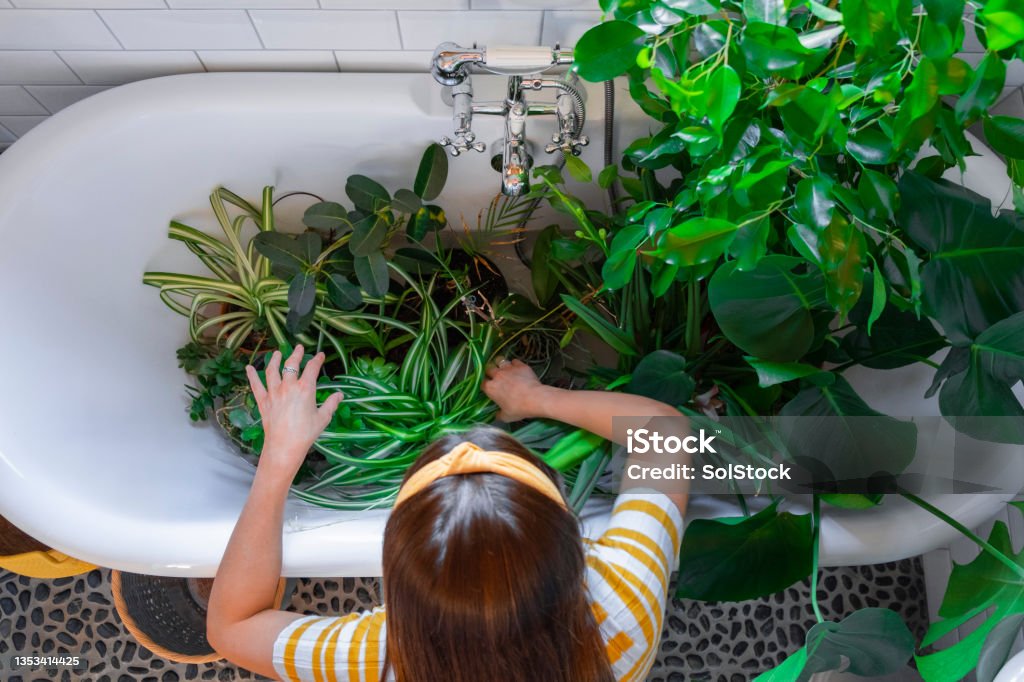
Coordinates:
(463, 142)
(567, 143)
(462, 117)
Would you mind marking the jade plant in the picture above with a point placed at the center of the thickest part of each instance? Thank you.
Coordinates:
(785, 220)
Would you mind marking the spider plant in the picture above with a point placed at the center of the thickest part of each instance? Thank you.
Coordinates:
(243, 299)
(391, 411)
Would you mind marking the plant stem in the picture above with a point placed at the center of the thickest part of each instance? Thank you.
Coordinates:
(816, 541)
(966, 532)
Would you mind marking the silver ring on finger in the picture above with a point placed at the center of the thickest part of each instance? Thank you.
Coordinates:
(290, 370)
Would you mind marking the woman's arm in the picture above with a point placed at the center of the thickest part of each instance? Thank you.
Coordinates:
(242, 619)
(520, 395)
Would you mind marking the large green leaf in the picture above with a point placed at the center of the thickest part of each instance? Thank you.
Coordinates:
(617, 271)
(777, 51)
(1006, 135)
(368, 235)
(695, 241)
(828, 428)
(367, 195)
(372, 273)
(608, 50)
(980, 401)
(662, 375)
(301, 301)
(325, 215)
(974, 276)
(283, 251)
(897, 338)
(843, 251)
(1004, 23)
(343, 293)
(720, 92)
(870, 643)
(875, 26)
(733, 559)
(983, 90)
(973, 588)
(784, 298)
(432, 173)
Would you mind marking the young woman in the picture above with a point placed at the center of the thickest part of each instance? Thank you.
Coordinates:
(486, 576)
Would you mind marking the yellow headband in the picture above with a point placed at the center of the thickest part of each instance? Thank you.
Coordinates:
(467, 458)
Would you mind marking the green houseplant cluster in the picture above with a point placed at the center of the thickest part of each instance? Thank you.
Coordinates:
(363, 283)
(784, 221)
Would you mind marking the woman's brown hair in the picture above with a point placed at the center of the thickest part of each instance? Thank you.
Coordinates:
(484, 580)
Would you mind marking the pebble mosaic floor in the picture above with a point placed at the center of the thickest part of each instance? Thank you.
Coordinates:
(706, 642)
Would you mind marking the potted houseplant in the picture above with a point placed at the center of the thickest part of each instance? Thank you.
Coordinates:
(781, 225)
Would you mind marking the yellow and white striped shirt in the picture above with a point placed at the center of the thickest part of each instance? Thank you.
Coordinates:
(627, 576)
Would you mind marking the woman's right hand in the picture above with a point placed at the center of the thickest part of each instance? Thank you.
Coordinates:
(517, 391)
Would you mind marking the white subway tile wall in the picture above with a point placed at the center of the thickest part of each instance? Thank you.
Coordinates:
(19, 125)
(182, 29)
(425, 30)
(54, 52)
(20, 67)
(114, 68)
(16, 101)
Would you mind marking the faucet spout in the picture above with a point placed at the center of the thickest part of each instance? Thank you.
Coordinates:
(516, 160)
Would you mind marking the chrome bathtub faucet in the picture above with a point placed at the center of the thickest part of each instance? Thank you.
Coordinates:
(523, 65)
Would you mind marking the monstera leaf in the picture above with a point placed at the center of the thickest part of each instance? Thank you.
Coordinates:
(782, 330)
(979, 400)
(974, 588)
(870, 643)
(732, 559)
(974, 277)
(828, 429)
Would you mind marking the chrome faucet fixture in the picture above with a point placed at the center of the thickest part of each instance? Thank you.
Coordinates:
(523, 65)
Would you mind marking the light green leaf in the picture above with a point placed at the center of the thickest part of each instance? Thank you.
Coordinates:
(608, 50)
(578, 170)
(772, 373)
(695, 241)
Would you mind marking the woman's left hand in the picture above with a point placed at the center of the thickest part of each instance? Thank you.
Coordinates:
(291, 419)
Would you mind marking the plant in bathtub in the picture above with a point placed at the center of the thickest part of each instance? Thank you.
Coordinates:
(401, 336)
(784, 222)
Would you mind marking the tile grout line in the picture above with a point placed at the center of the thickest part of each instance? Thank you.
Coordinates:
(202, 63)
(9, 132)
(398, 27)
(107, 26)
(70, 68)
(29, 93)
(248, 13)
(543, 17)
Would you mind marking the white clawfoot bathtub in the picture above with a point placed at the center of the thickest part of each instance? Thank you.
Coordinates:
(97, 456)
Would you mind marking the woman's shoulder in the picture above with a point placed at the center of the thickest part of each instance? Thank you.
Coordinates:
(354, 641)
